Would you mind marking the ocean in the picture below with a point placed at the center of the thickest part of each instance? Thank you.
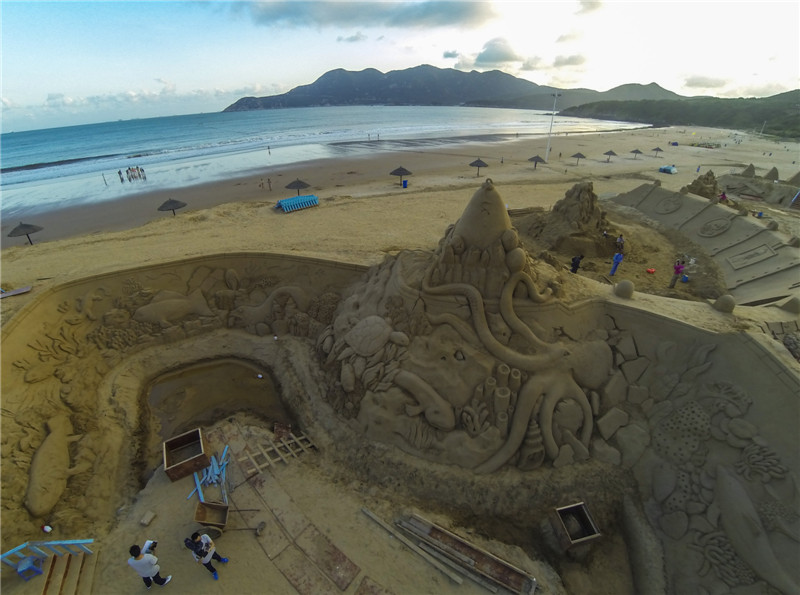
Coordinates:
(43, 170)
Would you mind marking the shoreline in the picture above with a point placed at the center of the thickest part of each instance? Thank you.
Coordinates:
(438, 168)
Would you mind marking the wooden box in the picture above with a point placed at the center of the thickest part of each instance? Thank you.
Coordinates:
(575, 525)
(184, 454)
(214, 514)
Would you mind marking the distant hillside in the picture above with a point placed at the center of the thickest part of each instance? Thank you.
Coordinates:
(428, 85)
(779, 115)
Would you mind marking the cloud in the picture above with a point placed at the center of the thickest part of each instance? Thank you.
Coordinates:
(574, 60)
(497, 51)
(168, 86)
(572, 36)
(588, 6)
(352, 38)
(703, 82)
(533, 63)
(433, 14)
(765, 90)
(450, 54)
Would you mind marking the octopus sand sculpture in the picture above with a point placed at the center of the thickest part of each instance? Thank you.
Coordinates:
(465, 365)
(461, 377)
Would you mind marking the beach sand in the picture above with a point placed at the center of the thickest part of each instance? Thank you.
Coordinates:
(364, 214)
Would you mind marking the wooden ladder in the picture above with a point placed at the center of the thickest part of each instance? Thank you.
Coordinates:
(266, 452)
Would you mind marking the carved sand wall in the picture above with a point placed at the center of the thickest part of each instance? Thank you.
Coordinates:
(758, 261)
(463, 376)
(67, 427)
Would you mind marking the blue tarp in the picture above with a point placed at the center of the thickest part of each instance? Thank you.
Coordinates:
(287, 205)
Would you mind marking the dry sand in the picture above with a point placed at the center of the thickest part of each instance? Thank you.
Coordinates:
(364, 214)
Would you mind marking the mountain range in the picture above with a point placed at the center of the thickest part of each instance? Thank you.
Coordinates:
(428, 85)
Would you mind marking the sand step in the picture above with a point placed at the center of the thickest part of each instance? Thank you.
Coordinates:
(70, 574)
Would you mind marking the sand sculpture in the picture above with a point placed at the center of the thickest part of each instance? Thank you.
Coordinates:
(469, 357)
(705, 186)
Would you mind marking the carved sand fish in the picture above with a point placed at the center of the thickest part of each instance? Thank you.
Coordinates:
(50, 467)
(747, 534)
(170, 306)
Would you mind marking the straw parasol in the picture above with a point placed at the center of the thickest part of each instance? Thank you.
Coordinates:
(536, 160)
(579, 156)
(24, 229)
(298, 185)
(400, 171)
(479, 164)
(171, 205)
(657, 150)
(636, 152)
(610, 154)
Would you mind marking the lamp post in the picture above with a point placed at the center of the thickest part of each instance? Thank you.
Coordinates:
(552, 117)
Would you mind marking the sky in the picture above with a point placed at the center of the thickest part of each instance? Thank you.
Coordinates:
(65, 63)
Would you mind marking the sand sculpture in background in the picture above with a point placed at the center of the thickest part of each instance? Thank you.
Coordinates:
(469, 355)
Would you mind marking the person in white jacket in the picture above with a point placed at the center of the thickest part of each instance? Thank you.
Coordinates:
(204, 550)
(146, 565)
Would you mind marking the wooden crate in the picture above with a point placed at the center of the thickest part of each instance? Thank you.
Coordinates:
(184, 454)
(213, 514)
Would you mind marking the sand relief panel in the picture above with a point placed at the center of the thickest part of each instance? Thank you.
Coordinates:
(64, 436)
(444, 356)
(431, 354)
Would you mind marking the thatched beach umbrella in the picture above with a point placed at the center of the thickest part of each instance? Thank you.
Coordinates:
(657, 150)
(171, 205)
(610, 154)
(636, 152)
(579, 156)
(298, 185)
(400, 171)
(479, 164)
(536, 160)
(24, 229)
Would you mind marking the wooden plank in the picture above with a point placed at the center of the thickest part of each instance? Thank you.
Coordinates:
(72, 574)
(328, 558)
(415, 548)
(281, 504)
(501, 572)
(433, 551)
(306, 578)
(55, 576)
(370, 587)
(86, 581)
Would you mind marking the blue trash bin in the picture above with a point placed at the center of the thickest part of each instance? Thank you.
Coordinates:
(405, 183)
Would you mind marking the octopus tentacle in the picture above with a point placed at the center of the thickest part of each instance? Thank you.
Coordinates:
(529, 397)
(529, 363)
(507, 309)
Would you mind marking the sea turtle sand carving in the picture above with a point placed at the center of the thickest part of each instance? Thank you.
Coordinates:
(50, 467)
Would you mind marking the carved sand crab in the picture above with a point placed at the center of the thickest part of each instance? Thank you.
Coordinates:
(364, 350)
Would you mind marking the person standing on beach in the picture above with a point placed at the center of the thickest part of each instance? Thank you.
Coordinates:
(677, 269)
(204, 550)
(576, 263)
(146, 566)
(617, 260)
(269, 183)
